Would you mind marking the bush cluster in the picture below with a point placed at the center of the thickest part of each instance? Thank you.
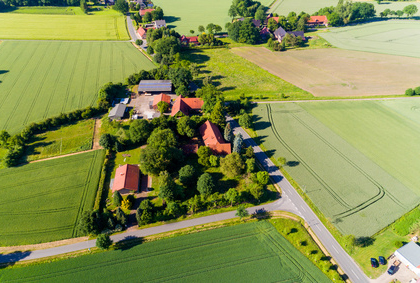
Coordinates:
(411, 92)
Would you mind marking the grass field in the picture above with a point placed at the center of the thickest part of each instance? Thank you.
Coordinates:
(284, 7)
(186, 15)
(40, 79)
(242, 253)
(335, 72)
(49, 10)
(235, 75)
(395, 37)
(42, 201)
(356, 160)
(37, 23)
(67, 139)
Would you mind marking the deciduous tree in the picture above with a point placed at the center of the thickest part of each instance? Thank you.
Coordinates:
(232, 165)
(205, 184)
(103, 241)
(241, 212)
(139, 131)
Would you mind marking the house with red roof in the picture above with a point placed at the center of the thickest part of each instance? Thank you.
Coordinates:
(143, 12)
(265, 32)
(186, 40)
(142, 33)
(159, 98)
(317, 21)
(185, 105)
(126, 179)
(213, 139)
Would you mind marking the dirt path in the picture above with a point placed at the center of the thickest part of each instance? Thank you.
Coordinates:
(42, 246)
(60, 156)
(96, 134)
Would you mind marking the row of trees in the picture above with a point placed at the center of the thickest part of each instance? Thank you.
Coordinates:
(4, 4)
(409, 10)
(411, 92)
(346, 12)
(244, 32)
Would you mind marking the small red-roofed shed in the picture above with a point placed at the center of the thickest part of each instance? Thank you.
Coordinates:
(159, 98)
(126, 179)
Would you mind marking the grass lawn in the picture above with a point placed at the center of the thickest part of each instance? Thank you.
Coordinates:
(353, 158)
(395, 37)
(66, 139)
(332, 72)
(40, 79)
(235, 75)
(42, 202)
(56, 23)
(186, 15)
(243, 253)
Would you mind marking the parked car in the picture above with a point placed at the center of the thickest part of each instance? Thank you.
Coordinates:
(374, 262)
(382, 260)
(392, 269)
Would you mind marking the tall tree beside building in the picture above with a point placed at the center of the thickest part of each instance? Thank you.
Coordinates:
(121, 6)
(228, 134)
(238, 143)
(217, 116)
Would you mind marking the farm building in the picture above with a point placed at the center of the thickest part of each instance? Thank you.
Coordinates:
(154, 86)
(409, 255)
(186, 40)
(159, 24)
(117, 112)
(317, 21)
(159, 98)
(143, 12)
(186, 105)
(279, 34)
(126, 179)
(142, 33)
(213, 139)
(301, 34)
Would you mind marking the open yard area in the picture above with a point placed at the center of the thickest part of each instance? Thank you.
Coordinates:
(40, 79)
(235, 75)
(62, 24)
(395, 37)
(43, 201)
(242, 253)
(66, 139)
(356, 160)
(334, 72)
(186, 15)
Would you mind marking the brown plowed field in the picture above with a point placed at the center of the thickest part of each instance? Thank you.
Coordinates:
(336, 72)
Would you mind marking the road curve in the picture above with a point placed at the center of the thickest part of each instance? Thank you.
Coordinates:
(346, 263)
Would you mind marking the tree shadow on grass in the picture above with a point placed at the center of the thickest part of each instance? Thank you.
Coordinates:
(261, 125)
(223, 185)
(129, 242)
(3, 72)
(292, 163)
(171, 19)
(196, 56)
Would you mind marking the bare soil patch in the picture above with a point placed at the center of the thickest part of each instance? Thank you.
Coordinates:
(336, 72)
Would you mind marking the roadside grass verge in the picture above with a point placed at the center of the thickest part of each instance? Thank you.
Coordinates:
(66, 139)
(42, 202)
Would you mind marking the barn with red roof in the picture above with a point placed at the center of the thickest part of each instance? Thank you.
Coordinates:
(317, 21)
(213, 139)
(186, 105)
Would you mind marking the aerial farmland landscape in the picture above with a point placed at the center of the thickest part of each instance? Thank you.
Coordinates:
(224, 141)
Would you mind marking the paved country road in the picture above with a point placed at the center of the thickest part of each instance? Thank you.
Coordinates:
(131, 29)
(347, 264)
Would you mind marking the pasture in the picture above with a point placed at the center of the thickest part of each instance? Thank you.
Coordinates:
(394, 37)
(242, 253)
(40, 79)
(186, 15)
(48, 10)
(284, 7)
(335, 72)
(42, 202)
(356, 160)
(38, 23)
(65, 140)
(235, 75)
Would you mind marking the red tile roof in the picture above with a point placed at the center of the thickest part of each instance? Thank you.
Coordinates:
(126, 177)
(159, 98)
(317, 20)
(141, 31)
(193, 39)
(213, 139)
(275, 18)
(184, 105)
(143, 12)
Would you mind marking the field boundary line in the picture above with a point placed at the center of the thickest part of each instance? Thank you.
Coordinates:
(60, 156)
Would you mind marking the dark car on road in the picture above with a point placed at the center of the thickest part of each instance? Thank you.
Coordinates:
(374, 262)
(382, 260)
(392, 269)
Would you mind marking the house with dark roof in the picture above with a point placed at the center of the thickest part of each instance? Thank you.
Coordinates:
(256, 23)
(317, 21)
(186, 105)
(213, 139)
(265, 32)
(141, 33)
(161, 97)
(300, 34)
(409, 255)
(127, 178)
(154, 86)
(279, 34)
(117, 113)
(143, 12)
(159, 24)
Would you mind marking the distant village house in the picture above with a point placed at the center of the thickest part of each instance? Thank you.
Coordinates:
(317, 21)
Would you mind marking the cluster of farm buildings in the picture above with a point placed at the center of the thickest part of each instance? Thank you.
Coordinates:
(127, 177)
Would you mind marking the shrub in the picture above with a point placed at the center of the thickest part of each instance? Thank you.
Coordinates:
(204, 153)
(417, 90)
(107, 141)
(117, 198)
(409, 92)
(214, 161)
(403, 225)
(398, 244)
(139, 42)
(263, 177)
(103, 241)
(187, 175)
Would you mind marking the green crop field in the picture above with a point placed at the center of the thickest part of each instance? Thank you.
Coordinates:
(235, 75)
(42, 201)
(36, 23)
(284, 7)
(66, 139)
(186, 15)
(356, 160)
(48, 10)
(39, 79)
(395, 37)
(253, 252)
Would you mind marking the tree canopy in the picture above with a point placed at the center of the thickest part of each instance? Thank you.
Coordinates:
(232, 165)
(205, 184)
(139, 130)
(121, 6)
(162, 139)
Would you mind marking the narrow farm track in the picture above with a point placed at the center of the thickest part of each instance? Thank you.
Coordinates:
(60, 156)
